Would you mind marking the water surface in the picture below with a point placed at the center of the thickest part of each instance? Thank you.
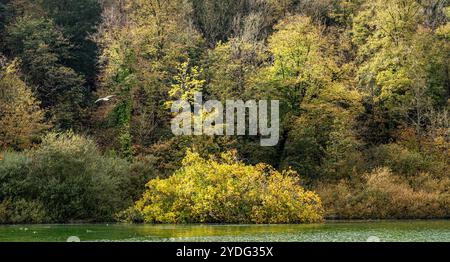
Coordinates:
(385, 231)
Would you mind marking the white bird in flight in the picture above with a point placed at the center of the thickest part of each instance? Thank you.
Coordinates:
(104, 99)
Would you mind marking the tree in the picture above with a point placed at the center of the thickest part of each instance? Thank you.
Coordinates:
(143, 43)
(78, 20)
(215, 18)
(231, 66)
(21, 118)
(187, 82)
(401, 67)
(317, 99)
(42, 49)
(3, 14)
(301, 66)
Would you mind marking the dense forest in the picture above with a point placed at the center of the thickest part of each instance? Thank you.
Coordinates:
(363, 85)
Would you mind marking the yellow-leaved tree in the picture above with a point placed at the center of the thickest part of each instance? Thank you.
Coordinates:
(21, 118)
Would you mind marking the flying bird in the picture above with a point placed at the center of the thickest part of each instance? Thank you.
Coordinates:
(104, 99)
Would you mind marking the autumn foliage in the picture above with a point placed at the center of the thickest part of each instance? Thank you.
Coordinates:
(226, 190)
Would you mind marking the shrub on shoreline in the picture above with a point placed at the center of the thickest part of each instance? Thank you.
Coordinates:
(68, 179)
(227, 191)
(382, 195)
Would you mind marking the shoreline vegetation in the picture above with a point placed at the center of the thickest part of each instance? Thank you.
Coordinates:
(364, 91)
(67, 178)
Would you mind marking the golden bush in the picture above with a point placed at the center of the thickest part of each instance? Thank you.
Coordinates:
(226, 190)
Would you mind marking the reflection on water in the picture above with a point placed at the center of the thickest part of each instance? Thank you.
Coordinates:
(330, 231)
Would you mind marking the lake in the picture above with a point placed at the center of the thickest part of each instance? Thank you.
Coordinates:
(342, 231)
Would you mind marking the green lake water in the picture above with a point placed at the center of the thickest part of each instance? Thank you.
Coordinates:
(384, 231)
